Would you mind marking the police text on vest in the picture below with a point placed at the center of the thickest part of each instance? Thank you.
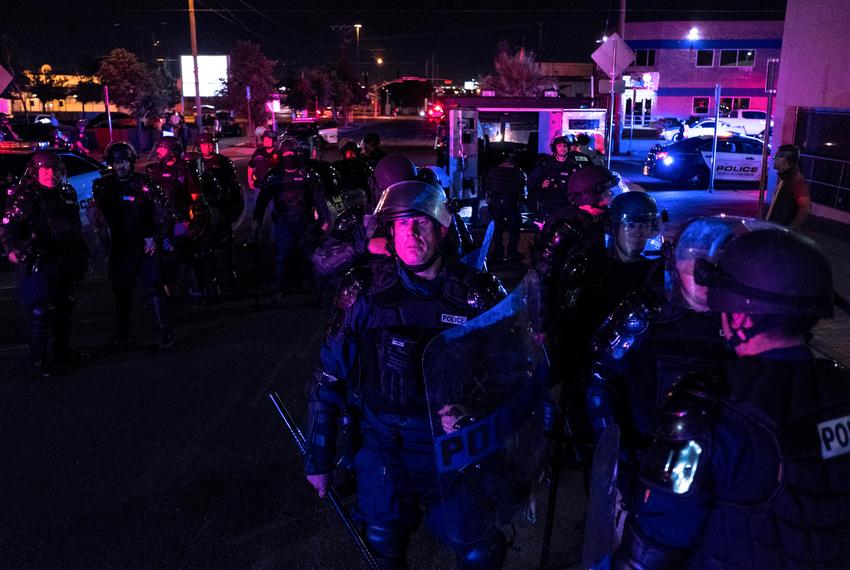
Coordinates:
(834, 437)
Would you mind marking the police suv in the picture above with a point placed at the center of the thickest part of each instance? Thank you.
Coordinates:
(687, 162)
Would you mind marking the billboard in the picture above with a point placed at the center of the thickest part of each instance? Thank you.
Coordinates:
(212, 73)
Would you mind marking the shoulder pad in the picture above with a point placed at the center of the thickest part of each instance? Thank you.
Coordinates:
(689, 409)
(683, 434)
(352, 286)
(631, 319)
(476, 289)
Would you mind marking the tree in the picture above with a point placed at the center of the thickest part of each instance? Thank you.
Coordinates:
(312, 90)
(47, 87)
(88, 91)
(517, 74)
(249, 67)
(125, 76)
(10, 58)
(346, 89)
(132, 84)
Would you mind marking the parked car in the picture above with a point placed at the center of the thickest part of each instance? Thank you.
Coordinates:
(701, 128)
(40, 132)
(227, 125)
(687, 162)
(750, 121)
(82, 170)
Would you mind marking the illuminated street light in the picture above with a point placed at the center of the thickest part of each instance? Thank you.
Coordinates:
(357, 39)
(379, 61)
(693, 34)
(603, 40)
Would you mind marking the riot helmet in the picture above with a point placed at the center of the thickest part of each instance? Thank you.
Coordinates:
(414, 198)
(268, 134)
(207, 142)
(349, 150)
(594, 186)
(429, 176)
(567, 139)
(770, 272)
(699, 241)
(391, 169)
(290, 151)
(634, 226)
(371, 141)
(120, 150)
(40, 164)
(169, 149)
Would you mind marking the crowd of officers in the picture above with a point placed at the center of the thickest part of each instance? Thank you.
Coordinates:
(735, 440)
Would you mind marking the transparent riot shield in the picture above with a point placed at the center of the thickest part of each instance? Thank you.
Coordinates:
(485, 382)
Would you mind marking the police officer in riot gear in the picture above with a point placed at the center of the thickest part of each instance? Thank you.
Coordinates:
(125, 199)
(384, 315)
(354, 176)
(264, 159)
(651, 339)
(505, 188)
(548, 183)
(753, 467)
(223, 193)
(42, 233)
(572, 234)
(177, 184)
(372, 151)
(299, 208)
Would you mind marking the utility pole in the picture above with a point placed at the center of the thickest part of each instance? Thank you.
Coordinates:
(621, 30)
(193, 33)
(539, 40)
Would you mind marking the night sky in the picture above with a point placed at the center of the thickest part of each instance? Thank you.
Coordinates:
(461, 36)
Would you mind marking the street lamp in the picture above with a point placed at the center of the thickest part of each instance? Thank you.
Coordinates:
(357, 39)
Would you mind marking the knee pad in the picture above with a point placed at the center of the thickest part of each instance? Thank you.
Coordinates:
(389, 545)
(484, 554)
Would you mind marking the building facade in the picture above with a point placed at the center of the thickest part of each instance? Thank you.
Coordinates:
(677, 65)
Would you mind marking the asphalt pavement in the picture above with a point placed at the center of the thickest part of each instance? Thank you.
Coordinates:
(178, 459)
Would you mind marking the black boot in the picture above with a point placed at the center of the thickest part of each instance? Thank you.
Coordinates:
(162, 318)
(123, 308)
(63, 354)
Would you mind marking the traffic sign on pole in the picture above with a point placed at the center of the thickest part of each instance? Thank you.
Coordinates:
(613, 56)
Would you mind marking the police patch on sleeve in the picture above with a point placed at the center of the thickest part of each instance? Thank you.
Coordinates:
(834, 437)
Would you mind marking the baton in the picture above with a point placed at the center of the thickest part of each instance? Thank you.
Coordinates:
(332, 496)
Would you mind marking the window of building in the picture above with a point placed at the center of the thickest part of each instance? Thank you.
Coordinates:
(644, 57)
(729, 104)
(701, 105)
(737, 57)
(705, 58)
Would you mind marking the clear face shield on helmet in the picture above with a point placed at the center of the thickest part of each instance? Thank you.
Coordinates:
(701, 238)
(636, 236)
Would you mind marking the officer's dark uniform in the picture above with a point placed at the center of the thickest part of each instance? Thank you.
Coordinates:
(175, 185)
(752, 469)
(371, 360)
(295, 193)
(262, 161)
(42, 227)
(505, 187)
(382, 333)
(354, 177)
(554, 197)
(129, 210)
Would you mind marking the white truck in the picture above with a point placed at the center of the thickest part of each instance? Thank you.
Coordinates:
(751, 121)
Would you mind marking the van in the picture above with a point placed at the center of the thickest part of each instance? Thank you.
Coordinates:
(750, 120)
